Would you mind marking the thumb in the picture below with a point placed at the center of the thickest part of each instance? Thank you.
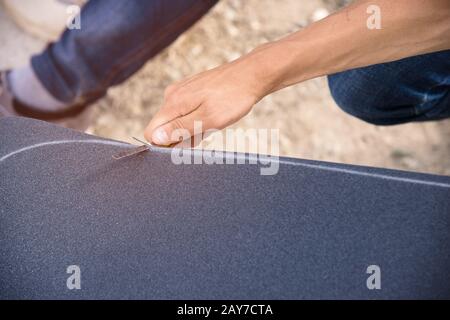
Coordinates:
(180, 128)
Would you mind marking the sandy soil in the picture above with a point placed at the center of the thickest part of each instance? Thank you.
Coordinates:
(311, 126)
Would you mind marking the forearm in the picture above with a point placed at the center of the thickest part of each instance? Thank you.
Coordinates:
(223, 95)
(343, 41)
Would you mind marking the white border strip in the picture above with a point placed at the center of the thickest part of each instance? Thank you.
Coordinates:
(51, 143)
(314, 166)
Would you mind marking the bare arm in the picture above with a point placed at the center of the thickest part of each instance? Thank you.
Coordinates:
(342, 41)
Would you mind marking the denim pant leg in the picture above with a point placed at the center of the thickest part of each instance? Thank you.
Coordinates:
(116, 38)
(412, 89)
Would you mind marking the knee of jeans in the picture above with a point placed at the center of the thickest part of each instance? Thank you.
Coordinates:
(352, 101)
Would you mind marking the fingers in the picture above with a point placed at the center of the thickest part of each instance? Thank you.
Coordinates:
(213, 99)
(162, 132)
(163, 116)
(176, 106)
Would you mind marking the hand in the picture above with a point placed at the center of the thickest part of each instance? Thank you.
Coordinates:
(217, 98)
(340, 42)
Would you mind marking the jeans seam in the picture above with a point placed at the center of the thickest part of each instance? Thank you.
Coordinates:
(440, 110)
(425, 99)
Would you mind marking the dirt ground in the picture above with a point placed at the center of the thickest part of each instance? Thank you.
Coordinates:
(311, 125)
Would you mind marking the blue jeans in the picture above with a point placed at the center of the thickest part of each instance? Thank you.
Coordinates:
(412, 89)
(115, 40)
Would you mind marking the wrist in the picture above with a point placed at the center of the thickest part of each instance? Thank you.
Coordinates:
(269, 67)
(279, 64)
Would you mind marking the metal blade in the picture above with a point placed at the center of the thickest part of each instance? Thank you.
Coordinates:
(143, 142)
(131, 152)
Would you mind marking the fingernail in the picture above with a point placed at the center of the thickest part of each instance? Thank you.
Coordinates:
(159, 136)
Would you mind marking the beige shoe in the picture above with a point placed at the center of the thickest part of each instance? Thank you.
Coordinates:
(76, 117)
